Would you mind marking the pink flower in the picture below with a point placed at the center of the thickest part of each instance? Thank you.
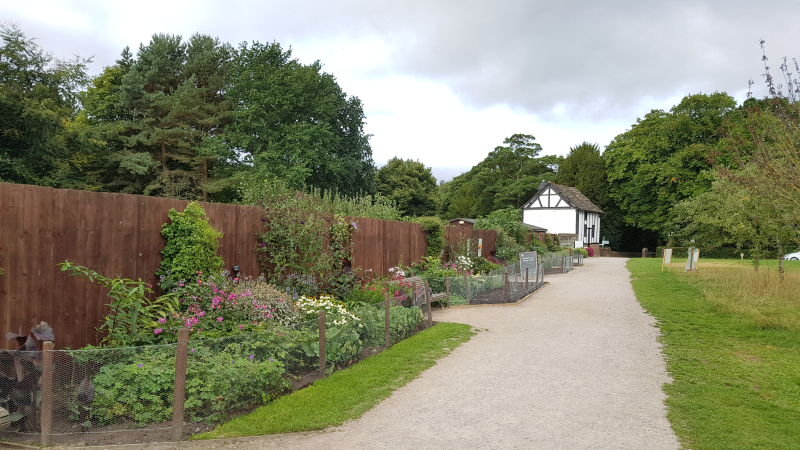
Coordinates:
(162, 320)
(241, 327)
(219, 319)
(157, 330)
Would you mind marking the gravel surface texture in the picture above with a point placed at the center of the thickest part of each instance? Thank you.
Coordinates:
(576, 366)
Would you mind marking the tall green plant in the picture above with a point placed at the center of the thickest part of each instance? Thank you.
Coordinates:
(434, 227)
(132, 315)
(191, 247)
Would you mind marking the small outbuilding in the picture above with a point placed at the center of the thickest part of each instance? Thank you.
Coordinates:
(563, 210)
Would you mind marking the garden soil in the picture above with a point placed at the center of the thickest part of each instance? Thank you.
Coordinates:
(576, 366)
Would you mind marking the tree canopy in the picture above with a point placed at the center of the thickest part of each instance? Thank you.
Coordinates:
(665, 158)
(410, 185)
(507, 177)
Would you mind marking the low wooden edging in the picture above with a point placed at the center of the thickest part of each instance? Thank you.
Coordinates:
(524, 299)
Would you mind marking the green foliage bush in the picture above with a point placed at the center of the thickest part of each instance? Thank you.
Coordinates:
(714, 253)
(142, 388)
(434, 227)
(191, 247)
(582, 251)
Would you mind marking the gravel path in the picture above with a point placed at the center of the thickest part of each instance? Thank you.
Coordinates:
(576, 366)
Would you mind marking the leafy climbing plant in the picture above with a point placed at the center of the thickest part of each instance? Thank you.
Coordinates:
(191, 246)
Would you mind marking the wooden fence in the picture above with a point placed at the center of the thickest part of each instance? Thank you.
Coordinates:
(120, 235)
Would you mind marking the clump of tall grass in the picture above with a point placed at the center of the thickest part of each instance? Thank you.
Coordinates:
(760, 296)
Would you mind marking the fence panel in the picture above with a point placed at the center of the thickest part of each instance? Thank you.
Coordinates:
(120, 235)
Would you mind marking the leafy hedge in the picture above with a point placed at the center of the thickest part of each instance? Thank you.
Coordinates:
(714, 253)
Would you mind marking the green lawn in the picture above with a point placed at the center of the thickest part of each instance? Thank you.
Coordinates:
(349, 393)
(733, 350)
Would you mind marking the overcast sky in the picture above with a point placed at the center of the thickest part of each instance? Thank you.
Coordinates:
(445, 82)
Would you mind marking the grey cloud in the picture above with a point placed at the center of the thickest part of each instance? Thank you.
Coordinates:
(597, 60)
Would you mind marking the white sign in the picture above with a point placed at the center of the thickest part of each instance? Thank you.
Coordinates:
(667, 255)
(578, 244)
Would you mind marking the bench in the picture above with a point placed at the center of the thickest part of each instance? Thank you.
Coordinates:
(421, 292)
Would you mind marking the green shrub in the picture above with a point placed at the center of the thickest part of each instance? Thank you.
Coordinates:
(434, 227)
(403, 322)
(582, 251)
(141, 389)
(484, 266)
(714, 253)
(191, 247)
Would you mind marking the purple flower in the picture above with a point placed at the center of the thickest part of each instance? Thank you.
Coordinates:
(263, 220)
(354, 225)
(139, 365)
(270, 360)
(191, 351)
(251, 357)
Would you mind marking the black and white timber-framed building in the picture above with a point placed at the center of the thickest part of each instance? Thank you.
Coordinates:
(563, 210)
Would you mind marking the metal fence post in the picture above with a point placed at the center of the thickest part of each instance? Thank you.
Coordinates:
(386, 308)
(322, 342)
(447, 286)
(46, 420)
(178, 395)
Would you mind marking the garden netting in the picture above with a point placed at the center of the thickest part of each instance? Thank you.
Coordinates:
(110, 396)
(509, 287)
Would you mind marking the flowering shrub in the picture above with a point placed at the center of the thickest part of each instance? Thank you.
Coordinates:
(219, 306)
(590, 251)
(335, 312)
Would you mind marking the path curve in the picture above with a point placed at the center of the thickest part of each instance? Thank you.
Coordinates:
(577, 366)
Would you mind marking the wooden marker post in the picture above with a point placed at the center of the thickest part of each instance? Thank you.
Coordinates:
(506, 287)
(388, 325)
(526, 279)
(47, 392)
(322, 342)
(666, 258)
(179, 394)
(413, 293)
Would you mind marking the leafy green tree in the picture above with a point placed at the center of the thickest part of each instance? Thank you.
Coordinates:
(509, 220)
(509, 176)
(41, 142)
(410, 185)
(294, 122)
(665, 158)
(584, 168)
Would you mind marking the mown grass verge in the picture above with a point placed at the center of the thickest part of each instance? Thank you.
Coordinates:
(734, 357)
(349, 393)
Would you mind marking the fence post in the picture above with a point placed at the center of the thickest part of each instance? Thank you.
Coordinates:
(386, 308)
(47, 392)
(506, 287)
(322, 342)
(413, 293)
(428, 300)
(178, 395)
(526, 279)
(447, 285)
(466, 286)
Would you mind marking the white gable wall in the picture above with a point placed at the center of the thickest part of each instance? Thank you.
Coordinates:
(554, 220)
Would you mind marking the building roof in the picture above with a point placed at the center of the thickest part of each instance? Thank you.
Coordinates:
(572, 195)
(528, 226)
(472, 221)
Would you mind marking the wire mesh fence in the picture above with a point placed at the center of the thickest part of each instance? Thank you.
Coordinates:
(557, 262)
(168, 392)
(503, 287)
